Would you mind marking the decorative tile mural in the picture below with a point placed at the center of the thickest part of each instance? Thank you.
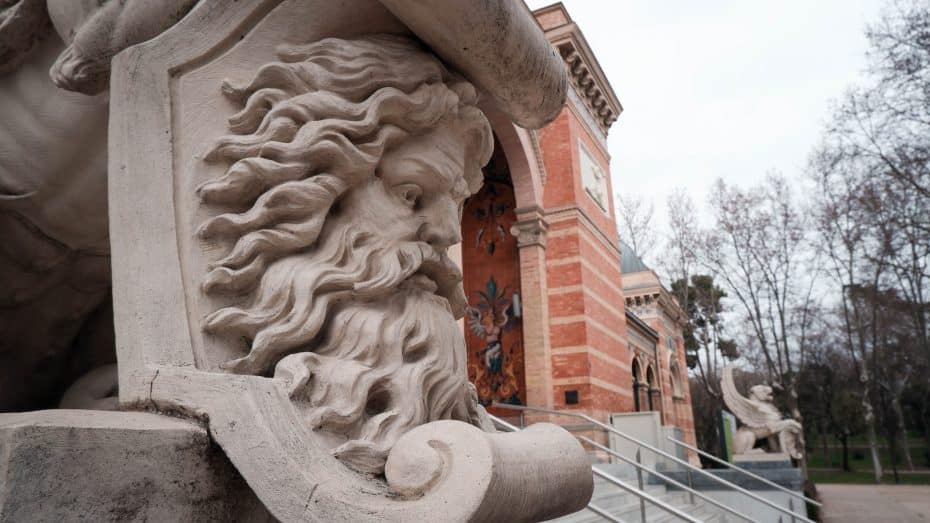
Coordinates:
(494, 329)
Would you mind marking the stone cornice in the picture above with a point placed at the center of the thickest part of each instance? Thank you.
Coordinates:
(585, 74)
(641, 298)
(633, 319)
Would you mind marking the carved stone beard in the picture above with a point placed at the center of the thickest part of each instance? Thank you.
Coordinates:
(298, 294)
(377, 313)
(382, 368)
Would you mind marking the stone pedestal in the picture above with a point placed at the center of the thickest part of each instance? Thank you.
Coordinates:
(65, 465)
(751, 461)
(775, 467)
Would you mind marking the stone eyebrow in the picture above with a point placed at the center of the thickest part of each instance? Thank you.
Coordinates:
(440, 168)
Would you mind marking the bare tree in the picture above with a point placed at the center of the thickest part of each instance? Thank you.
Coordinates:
(886, 122)
(872, 210)
(758, 250)
(635, 216)
(681, 241)
(845, 237)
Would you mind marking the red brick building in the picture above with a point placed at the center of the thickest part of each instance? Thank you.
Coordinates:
(549, 324)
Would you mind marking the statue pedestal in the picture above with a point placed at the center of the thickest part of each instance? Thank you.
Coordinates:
(775, 467)
(754, 461)
(62, 465)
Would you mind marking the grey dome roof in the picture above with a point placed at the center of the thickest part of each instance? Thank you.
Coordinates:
(629, 260)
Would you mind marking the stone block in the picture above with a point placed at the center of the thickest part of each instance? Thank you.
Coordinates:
(67, 465)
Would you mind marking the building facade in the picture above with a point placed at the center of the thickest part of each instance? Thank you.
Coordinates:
(549, 324)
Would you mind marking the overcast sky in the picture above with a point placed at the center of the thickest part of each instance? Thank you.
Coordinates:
(715, 88)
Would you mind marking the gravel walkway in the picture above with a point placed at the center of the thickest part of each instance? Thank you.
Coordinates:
(875, 503)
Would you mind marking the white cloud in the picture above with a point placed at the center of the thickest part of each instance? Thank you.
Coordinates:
(730, 89)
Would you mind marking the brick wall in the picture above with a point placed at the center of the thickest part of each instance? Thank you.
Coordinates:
(586, 308)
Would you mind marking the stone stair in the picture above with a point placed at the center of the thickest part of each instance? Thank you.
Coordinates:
(625, 505)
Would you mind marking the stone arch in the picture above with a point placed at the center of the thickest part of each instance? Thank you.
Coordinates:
(524, 159)
(675, 373)
(641, 401)
(651, 376)
(492, 283)
(653, 388)
(521, 152)
(637, 370)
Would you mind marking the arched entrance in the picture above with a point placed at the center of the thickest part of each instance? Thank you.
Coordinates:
(491, 268)
(654, 392)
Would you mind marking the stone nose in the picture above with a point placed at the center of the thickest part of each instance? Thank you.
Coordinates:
(442, 228)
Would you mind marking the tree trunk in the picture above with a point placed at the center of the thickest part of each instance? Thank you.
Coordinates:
(891, 430)
(925, 416)
(868, 414)
(844, 439)
(926, 443)
(825, 440)
(899, 418)
(796, 414)
(871, 436)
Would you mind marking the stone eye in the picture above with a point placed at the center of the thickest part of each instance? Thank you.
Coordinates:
(409, 192)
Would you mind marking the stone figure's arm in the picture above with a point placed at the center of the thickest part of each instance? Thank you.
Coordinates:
(22, 25)
(84, 66)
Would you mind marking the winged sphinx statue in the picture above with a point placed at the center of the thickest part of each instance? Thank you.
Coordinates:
(760, 420)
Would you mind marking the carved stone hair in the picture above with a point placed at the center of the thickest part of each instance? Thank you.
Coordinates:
(314, 125)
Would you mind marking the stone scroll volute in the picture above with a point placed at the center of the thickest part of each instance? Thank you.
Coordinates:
(285, 178)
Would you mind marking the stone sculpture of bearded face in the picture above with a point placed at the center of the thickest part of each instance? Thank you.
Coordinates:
(349, 166)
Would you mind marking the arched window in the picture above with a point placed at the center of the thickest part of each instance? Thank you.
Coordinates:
(652, 388)
(637, 384)
(678, 390)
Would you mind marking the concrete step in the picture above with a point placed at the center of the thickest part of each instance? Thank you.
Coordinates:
(625, 506)
(610, 491)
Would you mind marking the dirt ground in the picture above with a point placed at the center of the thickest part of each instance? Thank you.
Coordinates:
(875, 503)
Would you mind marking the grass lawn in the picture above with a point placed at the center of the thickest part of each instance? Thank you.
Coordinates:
(860, 459)
(865, 477)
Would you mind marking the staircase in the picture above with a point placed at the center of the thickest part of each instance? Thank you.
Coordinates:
(628, 491)
(626, 506)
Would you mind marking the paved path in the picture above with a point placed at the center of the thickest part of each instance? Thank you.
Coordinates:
(875, 503)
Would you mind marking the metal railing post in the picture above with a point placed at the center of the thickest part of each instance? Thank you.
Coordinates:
(659, 452)
(668, 479)
(744, 472)
(691, 486)
(791, 508)
(639, 480)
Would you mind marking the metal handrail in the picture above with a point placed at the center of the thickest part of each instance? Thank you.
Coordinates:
(668, 479)
(604, 514)
(744, 471)
(610, 479)
(510, 427)
(644, 495)
(662, 453)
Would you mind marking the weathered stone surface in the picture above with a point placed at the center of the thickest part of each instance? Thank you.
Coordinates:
(68, 465)
(285, 178)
